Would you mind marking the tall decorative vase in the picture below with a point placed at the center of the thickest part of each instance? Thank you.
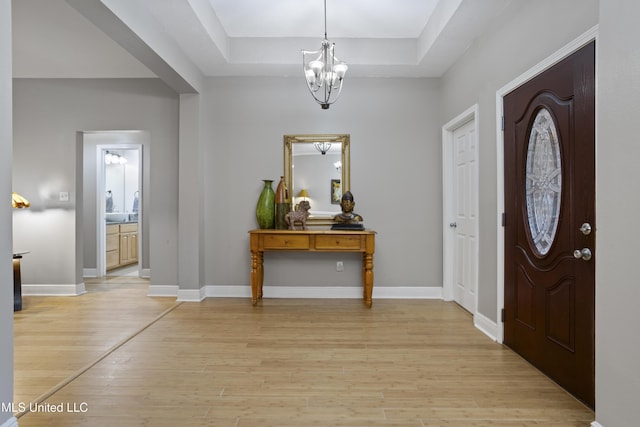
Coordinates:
(266, 208)
(283, 206)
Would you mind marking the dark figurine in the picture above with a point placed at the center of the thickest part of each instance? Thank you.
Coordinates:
(348, 216)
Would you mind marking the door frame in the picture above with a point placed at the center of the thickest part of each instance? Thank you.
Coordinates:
(575, 45)
(101, 229)
(448, 201)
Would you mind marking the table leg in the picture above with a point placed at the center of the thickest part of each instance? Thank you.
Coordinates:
(367, 278)
(257, 276)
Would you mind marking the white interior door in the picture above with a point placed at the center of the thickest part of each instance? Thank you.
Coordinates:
(463, 223)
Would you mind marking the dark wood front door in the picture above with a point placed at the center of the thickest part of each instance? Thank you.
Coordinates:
(549, 149)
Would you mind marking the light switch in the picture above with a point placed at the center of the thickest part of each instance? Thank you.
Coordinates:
(64, 196)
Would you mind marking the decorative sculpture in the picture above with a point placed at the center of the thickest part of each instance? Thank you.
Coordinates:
(300, 215)
(348, 216)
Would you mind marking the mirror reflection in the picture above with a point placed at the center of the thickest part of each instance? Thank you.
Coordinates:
(122, 186)
(317, 170)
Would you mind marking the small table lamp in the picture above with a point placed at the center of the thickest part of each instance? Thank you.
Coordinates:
(304, 194)
(19, 202)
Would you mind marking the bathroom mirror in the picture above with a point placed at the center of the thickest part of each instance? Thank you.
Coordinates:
(122, 184)
(316, 168)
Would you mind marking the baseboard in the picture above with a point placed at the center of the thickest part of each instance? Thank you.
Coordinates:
(163, 291)
(486, 325)
(90, 272)
(145, 273)
(384, 292)
(11, 422)
(228, 291)
(596, 424)
(53, 290)
(212, 291)
(191, 295)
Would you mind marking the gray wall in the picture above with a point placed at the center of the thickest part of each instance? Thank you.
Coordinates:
(395, 175)
(6, 271)
(617, 207)
(515, 45)
(47, 115)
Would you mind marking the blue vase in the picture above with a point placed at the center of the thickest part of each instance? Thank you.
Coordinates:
(266, 207)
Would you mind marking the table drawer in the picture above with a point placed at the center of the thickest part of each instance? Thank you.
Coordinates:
(338, 242)
(285, 241)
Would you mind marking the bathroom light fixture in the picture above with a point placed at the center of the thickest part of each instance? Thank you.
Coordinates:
(323, 72)
(322, 147)
(114, 159)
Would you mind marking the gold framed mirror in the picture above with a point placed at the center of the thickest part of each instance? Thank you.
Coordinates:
(317, 169)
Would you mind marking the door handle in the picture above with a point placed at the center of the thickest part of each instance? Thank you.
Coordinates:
(584, 253)
(453, 224)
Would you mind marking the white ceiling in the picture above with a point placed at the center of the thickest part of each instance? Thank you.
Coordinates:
(304, 18)
(377, 38)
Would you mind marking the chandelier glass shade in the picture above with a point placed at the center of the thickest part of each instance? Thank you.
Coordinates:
(322, 147)
(323, 72)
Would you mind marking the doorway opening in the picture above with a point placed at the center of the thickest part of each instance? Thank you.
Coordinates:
(120, 179)
(114, 220)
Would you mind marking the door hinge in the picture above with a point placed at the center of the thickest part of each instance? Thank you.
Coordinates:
(504, 219)
(502, 315)
(502, 123)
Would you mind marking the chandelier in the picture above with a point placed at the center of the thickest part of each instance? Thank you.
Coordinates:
(322, 147)
(323, 72)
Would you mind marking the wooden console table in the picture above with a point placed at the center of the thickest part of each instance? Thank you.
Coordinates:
(311, 241)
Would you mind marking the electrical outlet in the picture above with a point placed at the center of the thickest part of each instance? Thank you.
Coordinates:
(339, 266)
(64, 196)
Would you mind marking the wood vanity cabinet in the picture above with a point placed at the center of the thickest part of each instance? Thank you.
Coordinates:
(128, 243)
(113, 246)
(122, 245)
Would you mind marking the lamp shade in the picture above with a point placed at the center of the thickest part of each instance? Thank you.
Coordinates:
(303, 193)
(19, 202)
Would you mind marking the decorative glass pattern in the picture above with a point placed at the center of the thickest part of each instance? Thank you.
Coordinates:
(543, 181)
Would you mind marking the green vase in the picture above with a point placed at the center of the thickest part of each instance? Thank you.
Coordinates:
(266, 207)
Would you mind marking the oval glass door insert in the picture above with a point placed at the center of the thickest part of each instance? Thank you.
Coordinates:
(543, 182)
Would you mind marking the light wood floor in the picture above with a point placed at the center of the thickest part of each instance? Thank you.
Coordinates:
(222, 362)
